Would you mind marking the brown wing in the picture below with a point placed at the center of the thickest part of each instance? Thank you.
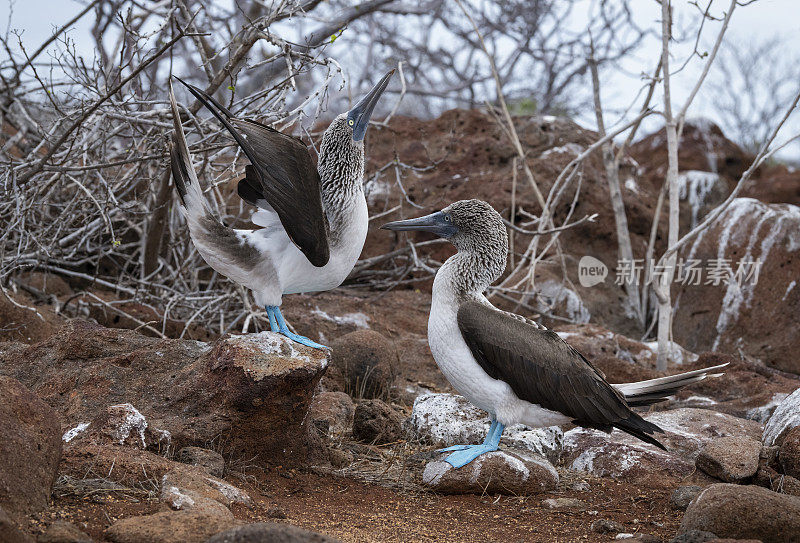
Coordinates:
(543, 369)
(282, 174)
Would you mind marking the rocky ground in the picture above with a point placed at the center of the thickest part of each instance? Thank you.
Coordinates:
(108, 434)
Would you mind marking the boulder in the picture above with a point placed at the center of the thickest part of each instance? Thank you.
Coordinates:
(620, 455)
(127, 466)
(498, 472)
(682, 496)
(789, 454)
(731, 459)
(10, 532)
(755, 310)
(375, 421)
(778, 482)
(565, 503)
(744, 512)
(606, 526)
(30, 449)
(270, 532)
(366, 360)
(449, 419)
(190, 487)
(211, 461)
(332, 413)
(785, 417)
(192, 526)
(62, 531)
(250, 391)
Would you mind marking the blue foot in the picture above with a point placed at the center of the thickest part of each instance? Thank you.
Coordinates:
(464, 454)
(462, 458)
(278, 324)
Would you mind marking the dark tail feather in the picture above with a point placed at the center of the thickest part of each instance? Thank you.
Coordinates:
(640, 428)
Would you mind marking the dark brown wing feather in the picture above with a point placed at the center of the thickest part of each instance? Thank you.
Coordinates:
(283, 174)
(542, 368)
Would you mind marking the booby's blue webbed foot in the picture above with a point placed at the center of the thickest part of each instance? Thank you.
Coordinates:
(464, 454)
(278, 324)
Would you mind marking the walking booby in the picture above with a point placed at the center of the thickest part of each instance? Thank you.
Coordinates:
(313, 219)
(508, 365)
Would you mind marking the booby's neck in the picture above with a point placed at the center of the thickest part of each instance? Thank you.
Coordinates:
(469, 272)
(341, 171)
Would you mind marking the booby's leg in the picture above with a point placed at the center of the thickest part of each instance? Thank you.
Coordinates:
(465, 456)
(273, 323)
(275, 312)
(492, 429)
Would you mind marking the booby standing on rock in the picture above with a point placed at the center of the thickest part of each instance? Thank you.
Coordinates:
(506, 364)
(313, 219)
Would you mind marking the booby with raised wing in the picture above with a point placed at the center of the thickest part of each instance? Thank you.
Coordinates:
(508, 365)
(313, 219)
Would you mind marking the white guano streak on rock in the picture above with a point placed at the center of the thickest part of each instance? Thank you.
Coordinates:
(359, 320)
(786, 415)
(747, 216)
(434, 471)
(134, 420)
(71, 434)
(694, 186)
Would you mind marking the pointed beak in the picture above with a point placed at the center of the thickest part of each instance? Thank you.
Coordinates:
(363, 110)
(436, 223)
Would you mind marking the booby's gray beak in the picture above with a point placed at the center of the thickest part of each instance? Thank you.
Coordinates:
(359, 116)
(439, 223)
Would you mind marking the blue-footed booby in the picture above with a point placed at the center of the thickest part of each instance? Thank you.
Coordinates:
(313, 219)
(508, 365)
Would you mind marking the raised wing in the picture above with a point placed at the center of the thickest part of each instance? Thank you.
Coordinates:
(282, 174)
(543, 369)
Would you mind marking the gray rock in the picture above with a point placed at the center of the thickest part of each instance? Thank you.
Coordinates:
(270, 532)
(499, 472)
(731, 459)
(30, 449)
(744, 512)
(683, 495)
(375, 421)
(623, 456)
(211, 461)
(449, 419)
(62, 531)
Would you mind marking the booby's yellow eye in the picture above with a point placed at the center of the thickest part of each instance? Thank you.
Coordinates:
(351, 122)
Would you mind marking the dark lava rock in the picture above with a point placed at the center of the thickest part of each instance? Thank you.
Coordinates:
(731, 459)
(376, 421)
(332, 413)
(212, 461)
(366, 360)
(270, 532)
(10, 532)
(789, 454)
(62, 531)
(498, 472)
(606, 526)
(693, 536)
(250, 391)
(744, 512)
(771, 479)
(683, 495)
(30, 449)
(190, 526)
